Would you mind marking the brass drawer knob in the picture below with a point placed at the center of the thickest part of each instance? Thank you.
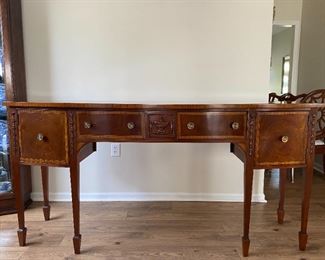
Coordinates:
(284, 139)
(235, 125)
(190, 125)
(87, 125)
(131, 125)
(40, 137)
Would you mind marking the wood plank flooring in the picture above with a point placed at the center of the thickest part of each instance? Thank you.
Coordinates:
(171, 230)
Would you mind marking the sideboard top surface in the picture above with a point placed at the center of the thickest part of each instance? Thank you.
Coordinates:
(262, 106)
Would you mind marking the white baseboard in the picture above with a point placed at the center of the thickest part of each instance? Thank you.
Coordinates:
(318, 167)
(149, 196)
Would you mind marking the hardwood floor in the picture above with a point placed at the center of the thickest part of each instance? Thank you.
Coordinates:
(171, 230)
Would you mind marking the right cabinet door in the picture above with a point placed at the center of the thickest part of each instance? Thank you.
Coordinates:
(281, 139)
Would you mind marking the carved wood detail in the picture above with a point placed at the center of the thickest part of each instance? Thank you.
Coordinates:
(251, 121)
(13, 120)
(318, 96)
(71, 134)
(286, 98)
(162, 125)
(312, 131)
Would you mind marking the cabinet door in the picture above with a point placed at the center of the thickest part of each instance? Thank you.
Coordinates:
(281, 138)
(43, 137)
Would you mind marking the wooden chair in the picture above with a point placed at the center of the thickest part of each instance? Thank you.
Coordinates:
(316, 96)
(285, 98)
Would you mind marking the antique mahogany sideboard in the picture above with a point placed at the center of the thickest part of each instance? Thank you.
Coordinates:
(63, 134)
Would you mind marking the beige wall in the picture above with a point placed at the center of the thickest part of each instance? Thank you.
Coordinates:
(288, 10)
(312, 51)
(312, 47)
(152, 52)
(282, 45)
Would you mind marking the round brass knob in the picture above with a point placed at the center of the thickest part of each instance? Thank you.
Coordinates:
(284, 139)
(87, 125)
(40, 137)
(131, 125)
(190, 125)
(235, 125)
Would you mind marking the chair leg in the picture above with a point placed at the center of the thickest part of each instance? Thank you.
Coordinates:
(324, 163)
(303, 236)
(282, 186)
(292, 172)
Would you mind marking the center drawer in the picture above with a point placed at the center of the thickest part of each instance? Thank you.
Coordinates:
(110, 124)
(211, 125)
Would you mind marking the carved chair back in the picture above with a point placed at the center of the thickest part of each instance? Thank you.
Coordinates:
(316, 96)
(285, 98)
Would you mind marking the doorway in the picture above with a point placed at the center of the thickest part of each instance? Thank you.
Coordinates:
(284, 58)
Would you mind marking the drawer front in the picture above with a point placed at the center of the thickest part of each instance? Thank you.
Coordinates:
(212, 125)
(281, 138)
(43, 137)
(110, 124)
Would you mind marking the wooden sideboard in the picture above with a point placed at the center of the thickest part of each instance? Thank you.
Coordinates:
(63, 134)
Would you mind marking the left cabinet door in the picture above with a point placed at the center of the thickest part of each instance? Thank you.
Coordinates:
(12, 88)
(43, 137)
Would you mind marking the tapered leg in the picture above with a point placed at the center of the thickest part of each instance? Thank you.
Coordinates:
(305, 207)
(282, 187)
(75, 190)
(292, 173)
(324, 163)
(248, 182)
(15, 171)
(22, 230)
(45, 184)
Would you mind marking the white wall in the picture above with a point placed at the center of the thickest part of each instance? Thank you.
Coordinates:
(282, 45)
(153, 52)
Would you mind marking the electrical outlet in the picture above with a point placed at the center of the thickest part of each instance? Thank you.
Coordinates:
(115, 150)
